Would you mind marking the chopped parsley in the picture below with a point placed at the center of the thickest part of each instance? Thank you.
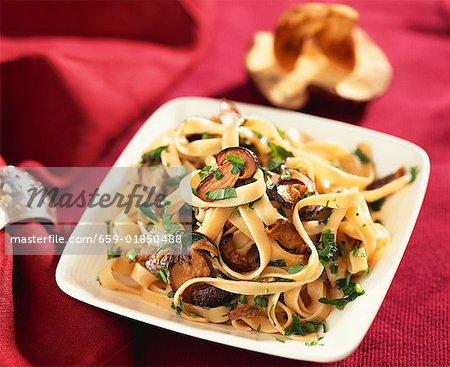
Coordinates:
(114, 252)
(153, 157)
(218, 175)
(281, 133)
(162, 274)
(358, 253)
(286, 175)
(242, 299)
(229, 305)
(295, 269)
(204, 172)
(324, 326)
(334, 268)
(278, 263)
(376, 205)
(237, 162)
(173, 181)
(327, 216)
(222, 194)
(299, 328)
(208, 136)
(250, 205)
(413, 171)
(196, 237)
(362, 157)
(313, 344)
(278, 156)
(131, 254)
(329, 251)
(351, 292)
(169, 226)
(261, 301)
(149, 212)
(171, 294)
(280, 340)
(178, 309)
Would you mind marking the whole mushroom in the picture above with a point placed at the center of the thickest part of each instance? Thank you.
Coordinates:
(317, 45)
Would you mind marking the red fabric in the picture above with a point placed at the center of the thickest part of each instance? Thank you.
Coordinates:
(77, 76)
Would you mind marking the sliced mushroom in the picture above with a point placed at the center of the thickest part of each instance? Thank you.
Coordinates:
(385, 180)
(237, 261)
(288, 192)
(213, 181)
(226, 175)
(286, 235)
(197, 265)
(248, 311)
(310, 184)
(314, 212)
(202, 242)
(248, 157)
(206, 295)
(185, 267)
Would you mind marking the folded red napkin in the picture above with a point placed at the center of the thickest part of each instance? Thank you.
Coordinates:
(77, 75)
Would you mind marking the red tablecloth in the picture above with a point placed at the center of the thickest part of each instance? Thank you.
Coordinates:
(77, 80)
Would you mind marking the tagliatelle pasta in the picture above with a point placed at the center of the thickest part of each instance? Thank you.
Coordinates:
(284, 226)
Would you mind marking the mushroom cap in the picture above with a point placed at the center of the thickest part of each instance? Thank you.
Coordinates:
(317, 45)
(235, 260)
(248, 157)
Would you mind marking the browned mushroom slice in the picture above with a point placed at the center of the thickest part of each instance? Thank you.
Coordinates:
(244, 155)
(246, 311)
(206, 295)
(385, 180)
(288, 192)
(286, 235)
(201, 242)
(216, 181)
(314, 212)
(197, 265)
(185, 267)
(309, 183)
(235, 260)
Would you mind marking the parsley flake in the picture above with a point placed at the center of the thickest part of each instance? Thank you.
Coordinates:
(362, 157)
(222, 194)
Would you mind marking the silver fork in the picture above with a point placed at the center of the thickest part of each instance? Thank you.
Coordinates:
(14, 199)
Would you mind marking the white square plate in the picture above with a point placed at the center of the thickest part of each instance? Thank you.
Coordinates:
(76, 274)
